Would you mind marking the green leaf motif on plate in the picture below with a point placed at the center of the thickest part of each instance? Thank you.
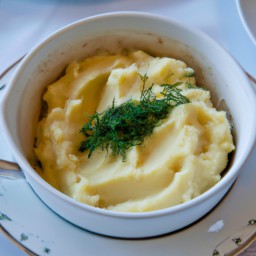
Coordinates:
(23, 237)
(4, 217)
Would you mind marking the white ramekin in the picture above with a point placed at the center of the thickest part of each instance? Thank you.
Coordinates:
(110, 32)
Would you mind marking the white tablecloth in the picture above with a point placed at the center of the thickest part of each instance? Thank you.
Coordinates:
(24, 23)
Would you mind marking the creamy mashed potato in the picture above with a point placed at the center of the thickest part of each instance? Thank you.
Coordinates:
(183, 157)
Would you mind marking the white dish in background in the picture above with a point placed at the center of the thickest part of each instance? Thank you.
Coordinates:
(247, 12)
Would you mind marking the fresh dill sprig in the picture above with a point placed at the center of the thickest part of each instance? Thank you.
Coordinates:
(119, 128)
(194, 86)
(190, 74)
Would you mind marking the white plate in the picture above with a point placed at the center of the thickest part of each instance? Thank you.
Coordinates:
(247, 12)
(34, 226)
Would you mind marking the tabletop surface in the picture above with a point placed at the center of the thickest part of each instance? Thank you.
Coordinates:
(24, 23)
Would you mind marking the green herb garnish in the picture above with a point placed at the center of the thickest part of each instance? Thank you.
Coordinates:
(190, 85)
(193, 86)
(119, 128)
(190, 74)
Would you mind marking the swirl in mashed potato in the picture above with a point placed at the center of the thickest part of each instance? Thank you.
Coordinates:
(182, 159)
